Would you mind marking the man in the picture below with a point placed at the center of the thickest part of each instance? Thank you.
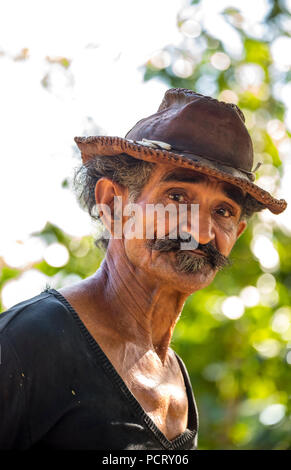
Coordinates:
(90, 366)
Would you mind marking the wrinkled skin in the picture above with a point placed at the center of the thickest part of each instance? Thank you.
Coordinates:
(132, 303)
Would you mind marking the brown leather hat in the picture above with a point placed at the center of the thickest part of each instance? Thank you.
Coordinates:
(192, 131)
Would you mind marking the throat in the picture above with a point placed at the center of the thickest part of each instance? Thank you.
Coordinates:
(139, 313)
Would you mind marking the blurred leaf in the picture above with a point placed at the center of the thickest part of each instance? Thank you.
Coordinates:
(271, 149)
(257, 52)
(8, 273)
(230, 11)
(277, 9)
(63, 61)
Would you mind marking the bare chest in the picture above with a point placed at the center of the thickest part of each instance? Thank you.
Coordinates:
(159, 389)
(163, 398)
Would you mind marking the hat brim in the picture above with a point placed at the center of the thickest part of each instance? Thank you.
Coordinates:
(107, 146)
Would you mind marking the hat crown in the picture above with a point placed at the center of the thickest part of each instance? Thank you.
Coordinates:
(199, 125)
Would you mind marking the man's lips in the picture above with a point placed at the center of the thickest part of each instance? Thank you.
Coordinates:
(196, 252)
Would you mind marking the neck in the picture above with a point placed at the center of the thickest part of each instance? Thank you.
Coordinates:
(143, 310)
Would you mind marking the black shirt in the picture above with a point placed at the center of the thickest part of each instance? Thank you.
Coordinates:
(58, 390)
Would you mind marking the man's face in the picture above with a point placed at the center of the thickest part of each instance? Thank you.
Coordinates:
(218, 229)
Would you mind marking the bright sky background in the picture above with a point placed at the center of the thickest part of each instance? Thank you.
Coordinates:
(107, 42)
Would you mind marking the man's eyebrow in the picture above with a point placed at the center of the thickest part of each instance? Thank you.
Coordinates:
(234, 193)
(229, 190)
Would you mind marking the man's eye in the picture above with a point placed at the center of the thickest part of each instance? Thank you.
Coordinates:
(177, 197)
(224, 212)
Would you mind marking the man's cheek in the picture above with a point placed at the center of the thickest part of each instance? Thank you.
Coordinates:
(226, 243)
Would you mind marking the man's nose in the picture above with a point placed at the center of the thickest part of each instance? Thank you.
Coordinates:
(199, 224)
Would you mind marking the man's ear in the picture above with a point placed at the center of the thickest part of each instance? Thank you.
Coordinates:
(105, 191)
(242, 225)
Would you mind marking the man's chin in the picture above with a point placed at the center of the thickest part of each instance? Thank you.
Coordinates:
(191, 282)
(191, 276)
(176, 268)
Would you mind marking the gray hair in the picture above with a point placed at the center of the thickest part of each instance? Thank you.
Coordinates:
(123, 169)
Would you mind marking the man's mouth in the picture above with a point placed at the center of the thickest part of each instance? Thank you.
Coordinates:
(208, 255)
(195, 252)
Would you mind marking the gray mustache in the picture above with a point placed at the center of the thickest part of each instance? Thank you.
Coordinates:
(213, 256)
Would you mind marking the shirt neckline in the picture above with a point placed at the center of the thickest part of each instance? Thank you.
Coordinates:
(180, 440)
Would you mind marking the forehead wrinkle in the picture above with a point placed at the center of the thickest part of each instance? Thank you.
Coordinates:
(181, 175)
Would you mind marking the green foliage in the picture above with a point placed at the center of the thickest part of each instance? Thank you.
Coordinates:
(238, 367)
(7, 273)
(257, 52)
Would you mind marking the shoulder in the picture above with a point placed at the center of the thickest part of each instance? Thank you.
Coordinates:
(38, 312)
(36, 325)
(38, 340)
(44, 338)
